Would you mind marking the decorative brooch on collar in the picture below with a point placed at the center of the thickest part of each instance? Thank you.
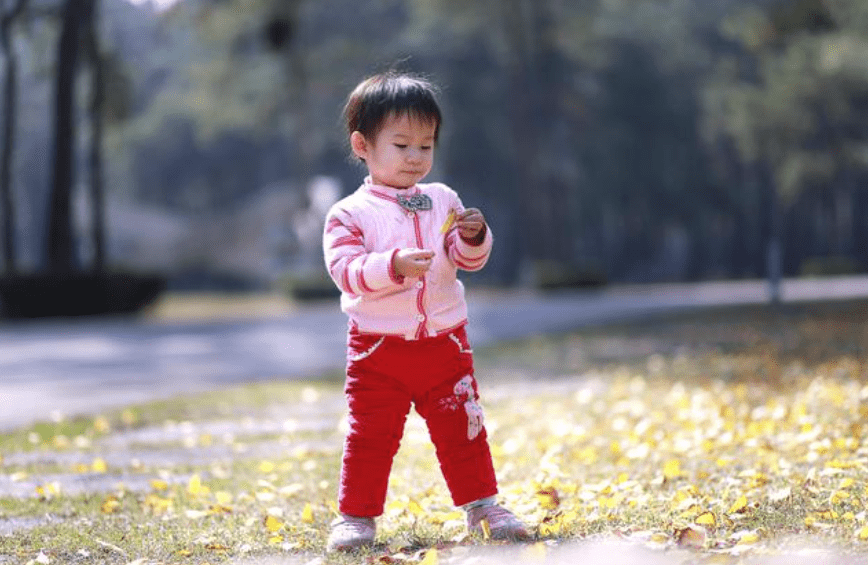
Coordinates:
(415, 202)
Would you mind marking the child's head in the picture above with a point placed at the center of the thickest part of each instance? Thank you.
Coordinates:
(391, 95)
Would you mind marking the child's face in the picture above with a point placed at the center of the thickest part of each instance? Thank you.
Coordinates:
(401, 153)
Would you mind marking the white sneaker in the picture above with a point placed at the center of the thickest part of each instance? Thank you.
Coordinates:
(351, 532)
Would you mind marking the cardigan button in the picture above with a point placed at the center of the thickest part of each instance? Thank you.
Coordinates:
(420, 317)
(419, 284)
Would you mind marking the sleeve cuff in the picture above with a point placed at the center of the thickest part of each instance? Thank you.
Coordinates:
(395, 277)
(479, 239)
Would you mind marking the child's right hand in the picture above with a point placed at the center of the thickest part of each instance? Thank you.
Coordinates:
(412, 262)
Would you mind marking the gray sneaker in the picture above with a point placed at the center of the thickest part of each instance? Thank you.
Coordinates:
(351, 532)
(501, 523)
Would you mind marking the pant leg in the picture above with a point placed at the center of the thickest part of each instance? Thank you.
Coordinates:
(448, 409)
(378, 408)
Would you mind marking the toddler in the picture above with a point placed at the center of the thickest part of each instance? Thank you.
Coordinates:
(394, 247)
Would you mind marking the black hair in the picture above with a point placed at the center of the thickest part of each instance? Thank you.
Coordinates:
(387, 94)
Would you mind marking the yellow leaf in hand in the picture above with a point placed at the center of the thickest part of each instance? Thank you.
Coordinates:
(448, 223)
(862, 533)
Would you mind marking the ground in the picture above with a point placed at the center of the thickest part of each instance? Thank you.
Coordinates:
(730, 436)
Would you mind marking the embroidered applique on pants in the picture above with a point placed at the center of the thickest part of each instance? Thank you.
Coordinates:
(466, 396)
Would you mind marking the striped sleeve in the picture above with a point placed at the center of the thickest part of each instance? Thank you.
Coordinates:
(351, 267)
(466, 255)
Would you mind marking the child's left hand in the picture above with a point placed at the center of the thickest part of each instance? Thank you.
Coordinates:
(470, 223)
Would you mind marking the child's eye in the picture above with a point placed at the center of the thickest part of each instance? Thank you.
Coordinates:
(400, 146)
(426, 148)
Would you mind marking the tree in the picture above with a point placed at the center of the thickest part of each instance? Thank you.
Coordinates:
(60, 250)
(10, 89)
(788, 97)
(97, 88)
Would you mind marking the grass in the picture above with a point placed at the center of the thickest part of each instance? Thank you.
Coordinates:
(719, 437)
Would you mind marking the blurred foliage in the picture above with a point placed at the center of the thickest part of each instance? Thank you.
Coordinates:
(648, 139)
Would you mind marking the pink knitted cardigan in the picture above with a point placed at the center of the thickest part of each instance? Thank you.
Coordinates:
(364, 231)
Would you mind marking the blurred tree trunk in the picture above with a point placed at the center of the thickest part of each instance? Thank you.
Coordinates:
(282, 32)
(97, 190)
(10, 103)
(530, 225)
(60, 251)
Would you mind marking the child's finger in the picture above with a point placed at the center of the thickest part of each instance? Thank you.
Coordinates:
(471, 214)
(421, 257)
(466, 227)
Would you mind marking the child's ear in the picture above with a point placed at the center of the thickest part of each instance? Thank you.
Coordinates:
(359, 144)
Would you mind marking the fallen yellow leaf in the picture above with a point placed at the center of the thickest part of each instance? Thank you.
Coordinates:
(672, 469)
(486, 529)
(99, 465)
(549, 498)
(307, 514)
(706, 519)
(414, 508)
(194, 485)
(156, 505)
(738, 506)
(747, 537)
(430, 558)
(272, 524)
(110, 505)
(838, 496)
(217, 547)
(159, 485)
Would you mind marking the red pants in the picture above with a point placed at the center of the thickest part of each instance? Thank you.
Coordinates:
(384, 376)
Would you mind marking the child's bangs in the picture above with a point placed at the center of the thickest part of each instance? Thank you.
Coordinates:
(414, 99)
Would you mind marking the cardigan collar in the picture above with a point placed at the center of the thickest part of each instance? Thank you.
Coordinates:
(388, 192)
